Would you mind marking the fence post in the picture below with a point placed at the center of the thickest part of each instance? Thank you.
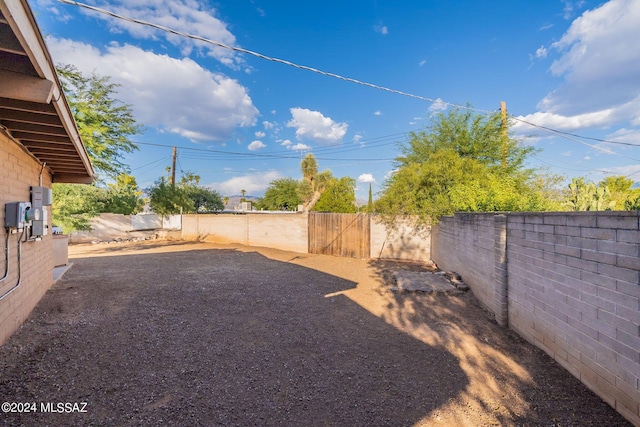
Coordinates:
(501, 278)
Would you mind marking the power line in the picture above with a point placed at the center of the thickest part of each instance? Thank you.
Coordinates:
(566, 135)
(577, 136)
(262, 56)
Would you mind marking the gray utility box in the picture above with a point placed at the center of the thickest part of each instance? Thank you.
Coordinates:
(40, 196)
(15, 214)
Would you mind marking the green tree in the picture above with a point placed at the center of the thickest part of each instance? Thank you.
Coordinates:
(104, 123)
(313, 182)
(338, 196)
(457, 165)
(620, 189)
(186, 196)
(282, 194)
(74, 205)
(204, 199)
(370, 202)
(105, 126)
(167, 199)
(123, 196)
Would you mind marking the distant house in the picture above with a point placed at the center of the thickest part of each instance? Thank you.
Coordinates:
(39, 145)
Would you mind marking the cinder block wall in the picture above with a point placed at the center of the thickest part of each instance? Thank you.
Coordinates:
(464, 243)
(405, 241)
(571, 287)
(280, 231)
(18, 172)
(574, 291)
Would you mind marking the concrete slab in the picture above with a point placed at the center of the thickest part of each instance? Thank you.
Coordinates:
(421, 281)
(58, 272)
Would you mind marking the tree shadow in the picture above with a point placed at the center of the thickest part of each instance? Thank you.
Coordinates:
(218, 337)
(508, 378)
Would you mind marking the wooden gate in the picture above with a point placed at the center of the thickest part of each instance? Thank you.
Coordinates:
(346, 235)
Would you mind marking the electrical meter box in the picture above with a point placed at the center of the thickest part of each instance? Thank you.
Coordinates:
(16, 215)
(40, 196)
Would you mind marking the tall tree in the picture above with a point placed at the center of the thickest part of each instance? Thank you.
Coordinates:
(457, 164)
(105, 124)
(123, 196)
(186, 196)
(313, 182)
(338, 196)
(282, 194)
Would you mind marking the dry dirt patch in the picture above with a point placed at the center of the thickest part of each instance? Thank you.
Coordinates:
(182, 333)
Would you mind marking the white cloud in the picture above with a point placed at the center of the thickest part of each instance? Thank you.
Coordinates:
(439, 105)
(390, 174)
(268, 125)
(357, 138)
(186, 16)
(600, 60)
(630, 171)
(382, 29)
(260, 134)
(286, 143)
(312, 125)
(176, 95)
(366, 178)
(541, 52)
(570, 7)
(256, 145)
(421, 63)
(254, 184)
(377, 113)
(300, 146)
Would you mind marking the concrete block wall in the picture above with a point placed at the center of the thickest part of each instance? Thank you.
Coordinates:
(465, 243)
(567, 282)
(574, 291)
(110, 226)
(280, 231)
(404, 241)
(18, 172)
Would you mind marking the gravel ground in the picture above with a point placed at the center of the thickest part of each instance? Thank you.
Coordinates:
(196, 334)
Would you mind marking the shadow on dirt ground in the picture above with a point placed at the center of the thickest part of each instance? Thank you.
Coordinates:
(508, 377)
(197, 334)
(217, 337)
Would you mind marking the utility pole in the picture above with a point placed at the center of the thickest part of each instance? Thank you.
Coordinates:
(173, 167)
(503, 110)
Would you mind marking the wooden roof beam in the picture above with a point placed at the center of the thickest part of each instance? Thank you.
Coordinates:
(25, 87)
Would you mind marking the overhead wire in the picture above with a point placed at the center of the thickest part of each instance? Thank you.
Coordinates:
(226, 155)
(262, 56)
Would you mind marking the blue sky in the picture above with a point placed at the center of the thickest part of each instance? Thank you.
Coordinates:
(240, 121)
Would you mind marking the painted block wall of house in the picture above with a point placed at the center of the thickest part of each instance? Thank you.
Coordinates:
(18, 172)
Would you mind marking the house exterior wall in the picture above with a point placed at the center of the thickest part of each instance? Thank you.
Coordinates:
(569, 283)
(18, 172)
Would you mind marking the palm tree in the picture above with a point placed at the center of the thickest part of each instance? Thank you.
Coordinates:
(313, 183)
(243, 192)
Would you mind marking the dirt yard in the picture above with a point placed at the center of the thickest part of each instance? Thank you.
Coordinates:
(197, 334)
